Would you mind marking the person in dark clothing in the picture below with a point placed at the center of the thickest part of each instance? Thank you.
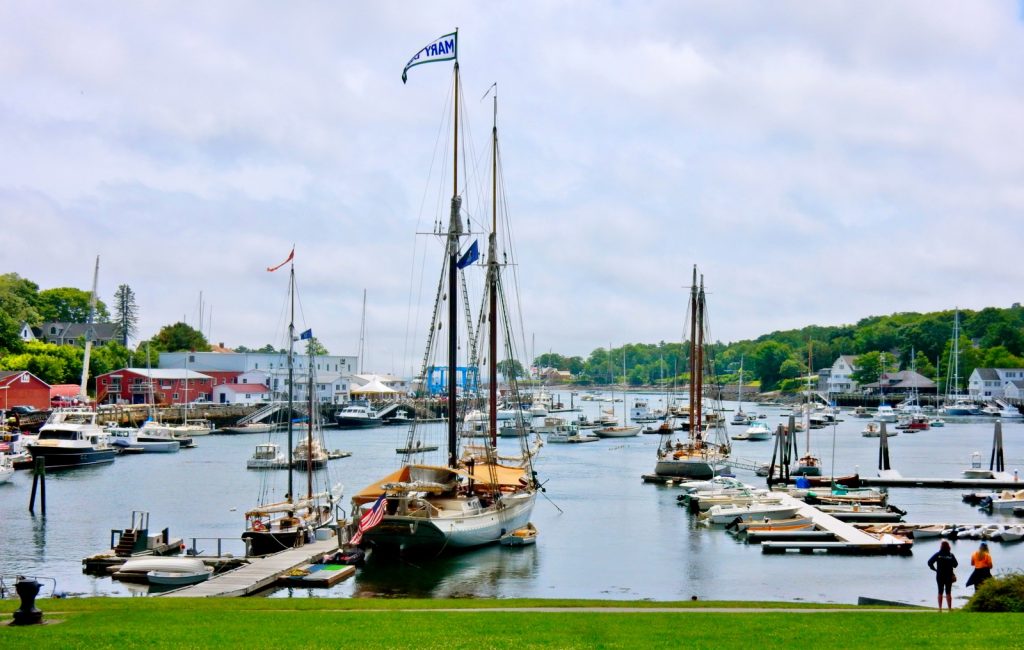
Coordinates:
(943, 563)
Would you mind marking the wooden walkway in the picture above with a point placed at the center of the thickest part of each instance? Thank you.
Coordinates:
(259, 574)
(848, 538)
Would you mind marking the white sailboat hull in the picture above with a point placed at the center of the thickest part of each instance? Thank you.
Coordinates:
(407, 534)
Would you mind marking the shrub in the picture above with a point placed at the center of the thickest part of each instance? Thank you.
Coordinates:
(1003, 593)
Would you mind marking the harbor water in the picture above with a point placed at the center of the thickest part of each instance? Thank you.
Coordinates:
(603, 532)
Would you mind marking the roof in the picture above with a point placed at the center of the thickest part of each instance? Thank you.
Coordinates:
(245, 388)
(373, 387)
(987, 374)
(65, 390)
(75, 330)
(904, 379)
(1018, 383)
(8, 376)
(164, 373)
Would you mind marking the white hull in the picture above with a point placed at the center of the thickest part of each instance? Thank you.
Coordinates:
(617, 432)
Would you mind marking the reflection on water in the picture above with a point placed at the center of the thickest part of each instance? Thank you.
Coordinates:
(614, 537)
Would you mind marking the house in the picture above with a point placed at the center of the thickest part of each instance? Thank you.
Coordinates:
(71, 333)
(554, 376)
(168, 386)
(839, 380)
(1014, 389)
(26, 333)
(22, 388)
(902, 382)
(245, 394)
(990, 383)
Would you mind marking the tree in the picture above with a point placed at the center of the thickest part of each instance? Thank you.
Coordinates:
(869, 368)
(768, 359)
(511, 369)
(69, 305)
(126, 314)
(54, 364)
(314, 347)
(178, 337)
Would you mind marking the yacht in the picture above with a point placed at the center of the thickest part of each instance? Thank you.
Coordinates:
(72, 438)
(356, 416)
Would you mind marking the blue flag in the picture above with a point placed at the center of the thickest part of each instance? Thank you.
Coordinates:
(470, 256)
(308, 334)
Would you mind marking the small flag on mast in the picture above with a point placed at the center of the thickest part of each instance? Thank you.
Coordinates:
(291, 256)
(370, 519)
(470, 256)
(308, 334)
(443, 49)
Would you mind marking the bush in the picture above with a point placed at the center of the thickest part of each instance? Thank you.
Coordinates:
(1004, 593)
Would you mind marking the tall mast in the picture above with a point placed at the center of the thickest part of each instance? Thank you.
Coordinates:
(362, 336)
(89, 333)
(309, 434)
(693, 352)
(700, 357)
(291, 375)
(454, 231)
(492, 263)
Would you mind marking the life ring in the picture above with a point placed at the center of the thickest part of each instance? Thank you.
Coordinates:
(257, 525)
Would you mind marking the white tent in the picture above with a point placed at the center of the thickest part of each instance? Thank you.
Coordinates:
(374, 387)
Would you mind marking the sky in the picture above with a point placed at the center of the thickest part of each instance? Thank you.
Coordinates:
(819, 161)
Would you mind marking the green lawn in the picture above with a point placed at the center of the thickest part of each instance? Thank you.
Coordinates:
(316, 622)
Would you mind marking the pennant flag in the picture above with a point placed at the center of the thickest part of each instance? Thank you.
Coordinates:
(308, 334)
(470, 256)
(370, 519)
(443, 49)
(291, 256)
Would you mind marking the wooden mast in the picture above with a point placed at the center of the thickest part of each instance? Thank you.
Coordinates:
(454, 230)
(693, 351)
(291, 372)
(700, 361)
(492, 263)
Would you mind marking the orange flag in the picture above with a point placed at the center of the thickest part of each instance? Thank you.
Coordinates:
(291, 256)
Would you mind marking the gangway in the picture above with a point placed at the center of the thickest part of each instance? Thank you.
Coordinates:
(262, 414)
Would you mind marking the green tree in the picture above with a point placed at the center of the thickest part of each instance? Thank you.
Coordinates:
(767, 360)
(1000, 357)
(108, 358)
(511, 369)
(791, 369)
(126, 314)
(54, 364)
(179, 337)
(69, 305)
(869, 368)
(315, 347)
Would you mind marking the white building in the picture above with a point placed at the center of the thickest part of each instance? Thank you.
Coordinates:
(332, 373)
(993, 383)
(245, 394)
(839, 380)
(397, 384)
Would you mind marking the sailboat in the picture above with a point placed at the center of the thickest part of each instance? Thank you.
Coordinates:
(955, 402)
(278, 525)
(808, 464)
(626, 430)
(739, 417)
(476, 496)
(705, 451)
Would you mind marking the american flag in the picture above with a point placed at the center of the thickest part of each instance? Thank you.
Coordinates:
(370, 519)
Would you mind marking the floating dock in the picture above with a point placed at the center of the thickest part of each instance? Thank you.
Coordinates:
(846, 538)
(947, 483)
(259, 574)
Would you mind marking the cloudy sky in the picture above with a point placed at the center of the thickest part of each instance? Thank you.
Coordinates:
(820, 161)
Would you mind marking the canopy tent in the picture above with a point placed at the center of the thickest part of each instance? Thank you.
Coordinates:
(373, 387)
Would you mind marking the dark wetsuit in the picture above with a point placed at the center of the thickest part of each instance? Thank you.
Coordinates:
(943, 564)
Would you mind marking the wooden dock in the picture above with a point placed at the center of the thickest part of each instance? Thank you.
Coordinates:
(947, 483)
(259, 574)
(847, 538)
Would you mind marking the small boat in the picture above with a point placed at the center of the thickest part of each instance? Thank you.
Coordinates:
(936, 422)
(6, 468)
(758, 431)
(617, 432)
(138, 569)
(126, 438)
(871, 430)
(724, 514)
(267, 456)
(1005, 500)
(178, 578)
(777, 525)
(885, 413)
(861, 412)
(309, 454)
(524, 536)
(249, 427)
(415, 449)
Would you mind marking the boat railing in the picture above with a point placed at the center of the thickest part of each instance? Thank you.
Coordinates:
(7, 583)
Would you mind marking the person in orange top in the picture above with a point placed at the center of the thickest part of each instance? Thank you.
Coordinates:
(982, 563)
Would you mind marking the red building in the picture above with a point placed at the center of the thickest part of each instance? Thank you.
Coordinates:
(21, 387)
(168, 386)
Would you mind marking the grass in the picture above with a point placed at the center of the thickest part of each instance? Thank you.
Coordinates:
(378, 623)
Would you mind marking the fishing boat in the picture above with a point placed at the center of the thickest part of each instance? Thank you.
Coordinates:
(278, 525)
(267, 455)
(477, 495)
(705, 451)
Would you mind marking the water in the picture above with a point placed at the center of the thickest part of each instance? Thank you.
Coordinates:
(615, 536)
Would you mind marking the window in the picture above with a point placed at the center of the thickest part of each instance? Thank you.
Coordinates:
(25, 378)
(175, 396)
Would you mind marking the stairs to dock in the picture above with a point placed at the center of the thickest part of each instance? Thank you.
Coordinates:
(126, 544)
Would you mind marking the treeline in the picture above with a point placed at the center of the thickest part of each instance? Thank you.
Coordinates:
(991, 337)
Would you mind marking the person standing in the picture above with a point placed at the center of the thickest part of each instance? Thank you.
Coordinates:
(943, 563)
(982, 563)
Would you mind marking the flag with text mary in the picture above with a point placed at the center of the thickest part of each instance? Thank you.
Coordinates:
(443, 49)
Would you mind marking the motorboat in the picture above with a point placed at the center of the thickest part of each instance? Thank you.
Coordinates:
(128, 438)
(267, 455)
(356, 416)
(1005, 500)
(861, 412)
(72, 437)
(154, 431)
(885, 413)
(871, 430)
(641, 412)
(759, 431)
(722, 514)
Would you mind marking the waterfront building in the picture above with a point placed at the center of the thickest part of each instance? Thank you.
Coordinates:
(993, 383)
(839, 380)
(169, 386)
(903, 382)
(22, 388)
(73, 333)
